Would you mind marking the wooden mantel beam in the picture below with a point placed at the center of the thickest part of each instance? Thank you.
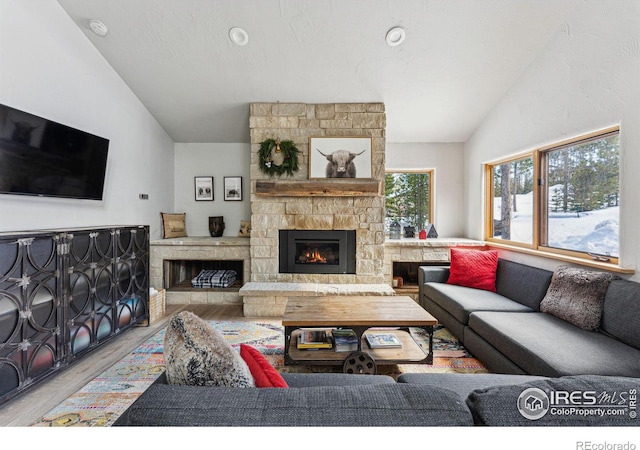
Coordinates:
(311, 188)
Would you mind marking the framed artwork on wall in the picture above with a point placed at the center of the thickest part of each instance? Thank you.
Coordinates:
(233, 189)
(339, 157)
(204, 189)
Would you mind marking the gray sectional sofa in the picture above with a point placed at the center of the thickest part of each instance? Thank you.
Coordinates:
(416, 400)
(533, 355)
(508, 333)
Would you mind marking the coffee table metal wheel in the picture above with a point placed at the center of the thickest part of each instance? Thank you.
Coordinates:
(359, 363)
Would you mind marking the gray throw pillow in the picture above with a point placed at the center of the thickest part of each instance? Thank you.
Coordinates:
(577, 296)
(195, 354)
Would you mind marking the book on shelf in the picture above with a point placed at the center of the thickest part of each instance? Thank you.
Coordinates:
(345, 340)
(310, 339)
(383, 340)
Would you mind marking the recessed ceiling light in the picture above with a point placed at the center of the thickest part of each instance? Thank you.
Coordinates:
(238, 36)
(395, 36)
(98, 27)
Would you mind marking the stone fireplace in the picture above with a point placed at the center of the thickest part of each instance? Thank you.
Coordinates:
(347, 204)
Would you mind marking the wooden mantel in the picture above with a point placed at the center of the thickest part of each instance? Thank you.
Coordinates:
(310, 188)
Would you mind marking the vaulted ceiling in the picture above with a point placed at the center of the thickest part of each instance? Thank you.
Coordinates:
(458, 59)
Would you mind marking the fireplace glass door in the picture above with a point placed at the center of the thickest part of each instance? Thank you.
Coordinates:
(317, 251)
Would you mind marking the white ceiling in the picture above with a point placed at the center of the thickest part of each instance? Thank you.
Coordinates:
(458, 60)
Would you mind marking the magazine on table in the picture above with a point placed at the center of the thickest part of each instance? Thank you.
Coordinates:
(312, 338)
(382, 340)
(345, 340)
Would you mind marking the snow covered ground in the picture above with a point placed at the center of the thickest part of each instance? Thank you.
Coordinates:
(593, 231)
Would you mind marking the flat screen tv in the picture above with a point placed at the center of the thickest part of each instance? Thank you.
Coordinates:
(48, 159)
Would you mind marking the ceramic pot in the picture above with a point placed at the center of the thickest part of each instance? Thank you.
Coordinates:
(216, 226)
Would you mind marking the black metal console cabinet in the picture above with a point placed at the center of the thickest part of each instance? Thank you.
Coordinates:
(63, 293)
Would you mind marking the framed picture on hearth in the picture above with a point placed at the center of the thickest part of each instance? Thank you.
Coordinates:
(204, 189)
(340, 157)
(233, 189)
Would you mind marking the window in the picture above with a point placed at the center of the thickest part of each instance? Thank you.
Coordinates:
(561, 199)
(409, 198)
(513, 200)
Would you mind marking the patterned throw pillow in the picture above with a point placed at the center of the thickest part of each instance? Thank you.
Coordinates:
(577, 296)
(195, 354)
(173, 225)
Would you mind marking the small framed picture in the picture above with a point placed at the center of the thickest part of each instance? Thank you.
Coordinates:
(340, 157)
(204, 189)
(233, 189)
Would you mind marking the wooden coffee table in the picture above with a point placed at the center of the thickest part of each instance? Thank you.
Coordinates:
(361, 314)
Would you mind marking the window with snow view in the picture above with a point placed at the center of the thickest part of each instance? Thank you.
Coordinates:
(513, 200)
(563, 198)
(581, 196)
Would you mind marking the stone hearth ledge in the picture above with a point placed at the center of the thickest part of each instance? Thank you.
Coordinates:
(269, 299)
(313, 289)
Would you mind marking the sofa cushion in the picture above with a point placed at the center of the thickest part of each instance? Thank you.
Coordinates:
(463, 383)
(534, 403)
(380, 405)
(196, 354)
(303, 380)
(524, 284)
(264, 374)
(473, 268)
(577, 296)
(621, 313)
(542, 344)
(461, 301)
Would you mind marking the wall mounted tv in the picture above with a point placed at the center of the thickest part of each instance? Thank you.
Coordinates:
(45, 158)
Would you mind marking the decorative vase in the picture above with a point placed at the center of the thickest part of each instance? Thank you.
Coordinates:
(216, 226)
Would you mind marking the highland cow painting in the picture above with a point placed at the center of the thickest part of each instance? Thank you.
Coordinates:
(340, 157)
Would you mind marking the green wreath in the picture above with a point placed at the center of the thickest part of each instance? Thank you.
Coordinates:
(278, 157)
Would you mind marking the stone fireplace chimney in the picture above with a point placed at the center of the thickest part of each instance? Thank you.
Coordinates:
(335, 209)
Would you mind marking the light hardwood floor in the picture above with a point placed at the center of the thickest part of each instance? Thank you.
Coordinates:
(32, 405)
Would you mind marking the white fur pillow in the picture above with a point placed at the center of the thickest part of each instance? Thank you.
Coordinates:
(195, 354)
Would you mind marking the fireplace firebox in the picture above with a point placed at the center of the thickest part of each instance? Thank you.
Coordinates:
(317, 251)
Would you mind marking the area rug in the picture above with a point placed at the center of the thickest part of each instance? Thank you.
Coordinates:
(101, 401)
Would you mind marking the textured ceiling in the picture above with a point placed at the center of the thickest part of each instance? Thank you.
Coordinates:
(459, 58)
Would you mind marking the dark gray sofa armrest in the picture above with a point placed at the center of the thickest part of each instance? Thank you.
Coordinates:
(379, 405)
(438, 274)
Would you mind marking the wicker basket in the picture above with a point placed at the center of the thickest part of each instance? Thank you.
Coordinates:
(156, 305)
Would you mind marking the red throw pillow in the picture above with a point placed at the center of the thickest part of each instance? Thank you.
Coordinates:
(474, 268)
(264, 374)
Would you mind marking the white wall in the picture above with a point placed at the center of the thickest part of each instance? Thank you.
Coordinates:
(587, 78)
(217, 161)
(447, 160)
(49, 68)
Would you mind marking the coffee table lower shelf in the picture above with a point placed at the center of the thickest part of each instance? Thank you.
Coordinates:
(411, 351)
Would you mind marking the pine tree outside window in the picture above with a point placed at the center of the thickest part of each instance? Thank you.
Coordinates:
(409, 198)
(581, 192)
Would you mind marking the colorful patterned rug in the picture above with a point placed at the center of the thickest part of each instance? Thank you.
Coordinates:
(101, 401)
